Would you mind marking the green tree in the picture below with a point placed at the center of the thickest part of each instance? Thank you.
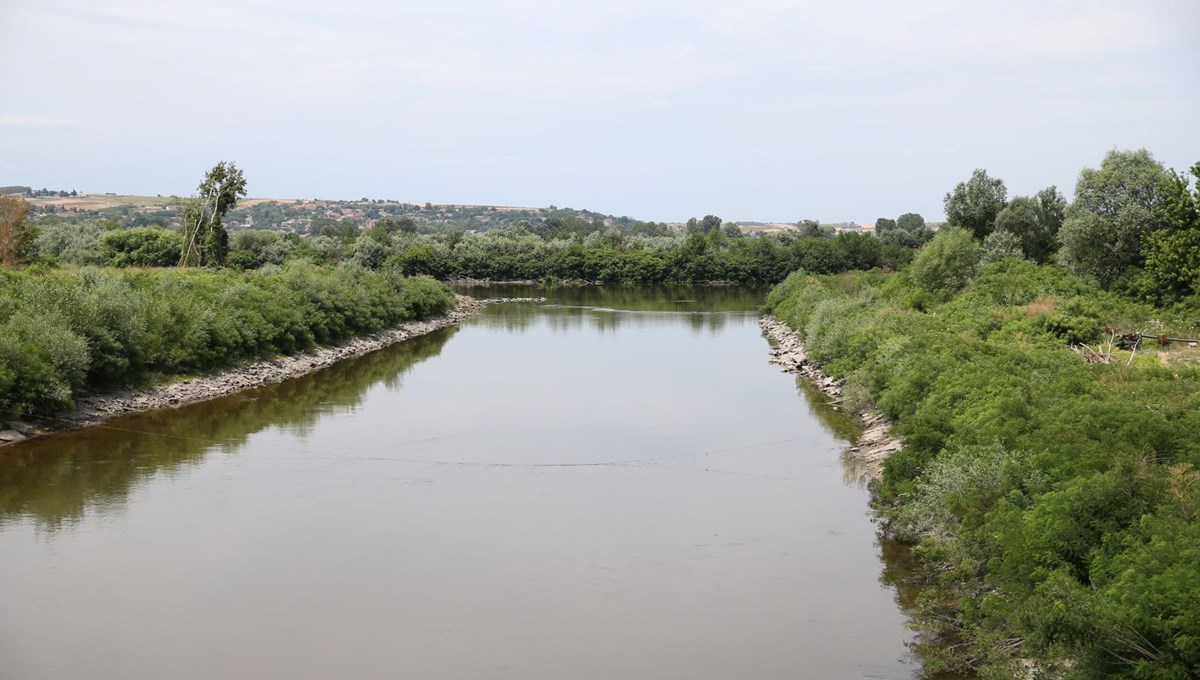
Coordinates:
(709, 224)
(859, 251)
(1172, 254)
(1116, 208)
(974, 204)
(910, 222)
(910, 232)
(1035, 221)
(946, 264)
(205, 240)
(884, 225)
(393, 225)
(820, 255)
(813, 229)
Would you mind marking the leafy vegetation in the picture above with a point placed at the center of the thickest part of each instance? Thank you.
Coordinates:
(975, 204)
(606, 255)
(907, 230)
(205, 240)
(1054, 501)
(64, 332)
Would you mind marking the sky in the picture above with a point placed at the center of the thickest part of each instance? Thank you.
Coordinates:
(657, 109)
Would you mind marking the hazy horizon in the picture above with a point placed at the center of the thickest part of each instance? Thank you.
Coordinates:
(756, 111)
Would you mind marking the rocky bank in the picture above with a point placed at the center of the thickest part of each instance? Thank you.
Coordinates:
(93, 409)
(876, 442)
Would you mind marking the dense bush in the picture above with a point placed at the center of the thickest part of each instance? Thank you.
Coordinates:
(141, 247)
(64, 332)
(946, 264)
(1055, 502)
(74, 243)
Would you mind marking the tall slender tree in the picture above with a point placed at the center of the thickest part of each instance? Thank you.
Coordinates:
(205, 241)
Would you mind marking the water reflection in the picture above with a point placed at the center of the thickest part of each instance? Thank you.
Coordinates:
(56, 479)
(705, 309)
(634, 298)
(296, 524)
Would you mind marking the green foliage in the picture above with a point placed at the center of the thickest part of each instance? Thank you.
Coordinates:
(1056, 502)
(1172, 266)
(974, 204)
(1035, 222)
(601, 254)
(910, 222)
(141, 247)
(908, 230)
(709, 224)
(614, 256)
(62, 332)
(251, 249)
(75, 243)
(999, 245)
(42, 362)
(962, 485)
(391, 225)
(946, 264)
(1116, 209)
(205, 240)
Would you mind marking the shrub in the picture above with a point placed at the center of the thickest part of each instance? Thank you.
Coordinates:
(142, 247)
(946, 264)
(62, 332)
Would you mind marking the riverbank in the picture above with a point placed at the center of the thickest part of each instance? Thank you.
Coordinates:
(98, 408)
(876, 442)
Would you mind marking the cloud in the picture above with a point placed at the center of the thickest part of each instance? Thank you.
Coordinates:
(38, 123)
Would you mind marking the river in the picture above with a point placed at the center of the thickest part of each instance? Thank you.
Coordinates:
(611, 484)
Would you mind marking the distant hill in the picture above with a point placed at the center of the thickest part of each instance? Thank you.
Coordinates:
(307, 216)
(310, 216)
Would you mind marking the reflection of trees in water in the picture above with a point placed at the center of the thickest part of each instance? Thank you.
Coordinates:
(574, 318)
(635, 298)
(56, 479)
(902, 575)
(705, 308)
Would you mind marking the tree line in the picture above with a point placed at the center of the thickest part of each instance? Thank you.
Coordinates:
(1132, 227)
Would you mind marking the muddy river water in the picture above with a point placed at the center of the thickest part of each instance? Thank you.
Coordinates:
(611, 484)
